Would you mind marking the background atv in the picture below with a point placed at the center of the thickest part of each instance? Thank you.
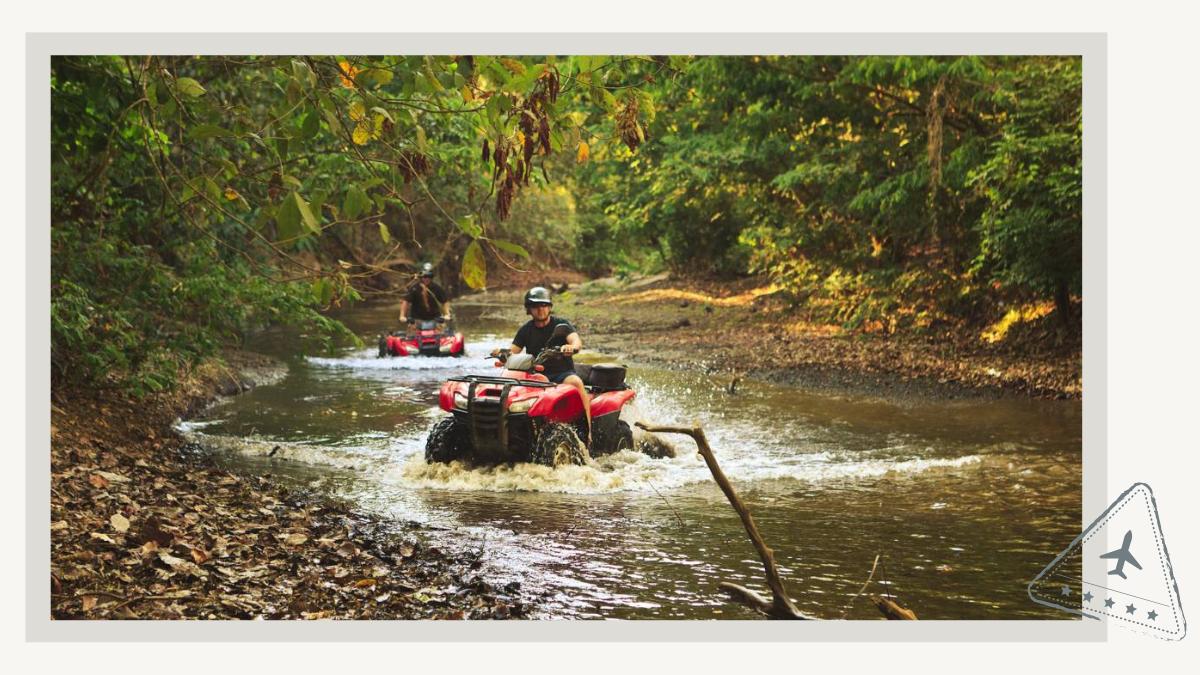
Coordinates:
(520, 416)
(429, 339)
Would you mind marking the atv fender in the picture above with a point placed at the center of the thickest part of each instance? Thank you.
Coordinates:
(611, 402)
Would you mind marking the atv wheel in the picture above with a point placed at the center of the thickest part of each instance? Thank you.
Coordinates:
(446, 442)
(624, 437)
(383, 346)
(559, 445)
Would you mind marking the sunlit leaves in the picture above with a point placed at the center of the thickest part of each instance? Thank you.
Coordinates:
(474, 266)
(238, 163)
(582, 153)
(367, 126)
(189, 87)
(347, 74)
(374, 77)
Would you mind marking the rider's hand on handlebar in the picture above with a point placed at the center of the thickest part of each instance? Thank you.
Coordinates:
(409, 319)
(566, 350)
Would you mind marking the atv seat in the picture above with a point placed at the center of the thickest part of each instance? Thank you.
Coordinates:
(602, 376)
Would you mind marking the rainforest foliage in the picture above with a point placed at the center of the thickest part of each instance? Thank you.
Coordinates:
(893, 192)
(197, 198)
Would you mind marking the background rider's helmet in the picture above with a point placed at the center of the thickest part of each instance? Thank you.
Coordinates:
(427, 270)
(537, 296)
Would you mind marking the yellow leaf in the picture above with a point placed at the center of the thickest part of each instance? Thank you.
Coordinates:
(348, 73)
(231, 194)
(357, 111)
(467, 95)
(520, 138)
(582, 155)
(362, 133)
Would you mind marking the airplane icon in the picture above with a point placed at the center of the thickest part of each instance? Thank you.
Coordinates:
(1122, 556)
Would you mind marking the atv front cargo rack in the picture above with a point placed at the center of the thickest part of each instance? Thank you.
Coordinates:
(511, 381)
(487, 417)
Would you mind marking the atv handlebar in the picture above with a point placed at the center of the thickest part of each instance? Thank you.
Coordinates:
(501, 355)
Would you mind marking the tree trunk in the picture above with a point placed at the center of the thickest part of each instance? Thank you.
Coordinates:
(1062, 303)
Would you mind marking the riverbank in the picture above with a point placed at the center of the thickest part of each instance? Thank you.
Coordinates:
(142, 527)
(736, 330)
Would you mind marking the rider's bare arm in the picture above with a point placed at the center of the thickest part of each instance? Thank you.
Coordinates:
(512, 349)
(403, 309)
(574, 342)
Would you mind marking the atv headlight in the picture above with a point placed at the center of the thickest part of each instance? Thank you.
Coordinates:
(523, 405)
(445, 348)
(460, 401)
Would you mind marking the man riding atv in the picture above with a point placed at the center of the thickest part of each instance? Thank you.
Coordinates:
(538, 333)
(423, 308)
(426, 300)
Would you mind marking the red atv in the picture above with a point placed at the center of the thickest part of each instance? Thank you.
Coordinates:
(520, 416)
(429, 339)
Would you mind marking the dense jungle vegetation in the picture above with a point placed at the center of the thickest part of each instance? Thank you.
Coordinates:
(197, 198)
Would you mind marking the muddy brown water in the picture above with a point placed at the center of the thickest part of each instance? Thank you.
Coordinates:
(966, 500)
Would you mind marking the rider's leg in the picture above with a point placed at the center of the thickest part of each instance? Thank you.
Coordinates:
(574, 381)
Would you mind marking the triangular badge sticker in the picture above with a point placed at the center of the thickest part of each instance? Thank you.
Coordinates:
(1118, 570)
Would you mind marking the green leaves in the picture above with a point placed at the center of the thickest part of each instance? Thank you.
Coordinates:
(515, 249)
(189, 87)
(311, 126)
(294, 213)
(323, 290)
(469, 227)
(384, 233)
(356, 203)
(474, 266)
(303, 75)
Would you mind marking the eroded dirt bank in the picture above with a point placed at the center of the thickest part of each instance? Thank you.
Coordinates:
(143, 528)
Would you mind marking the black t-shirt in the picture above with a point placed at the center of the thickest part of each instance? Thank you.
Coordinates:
(533, 339)
(425, 302)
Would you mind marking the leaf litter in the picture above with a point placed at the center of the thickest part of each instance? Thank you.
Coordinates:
(141, 530)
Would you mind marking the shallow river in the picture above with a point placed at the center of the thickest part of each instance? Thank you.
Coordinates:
(967, 501)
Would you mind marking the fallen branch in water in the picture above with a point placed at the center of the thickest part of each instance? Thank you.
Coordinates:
(780, 607)
(864, 587)
(892, 610)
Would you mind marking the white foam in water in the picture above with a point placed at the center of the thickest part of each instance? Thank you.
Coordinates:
(629, 471)
(403, 462)
(747, 452)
